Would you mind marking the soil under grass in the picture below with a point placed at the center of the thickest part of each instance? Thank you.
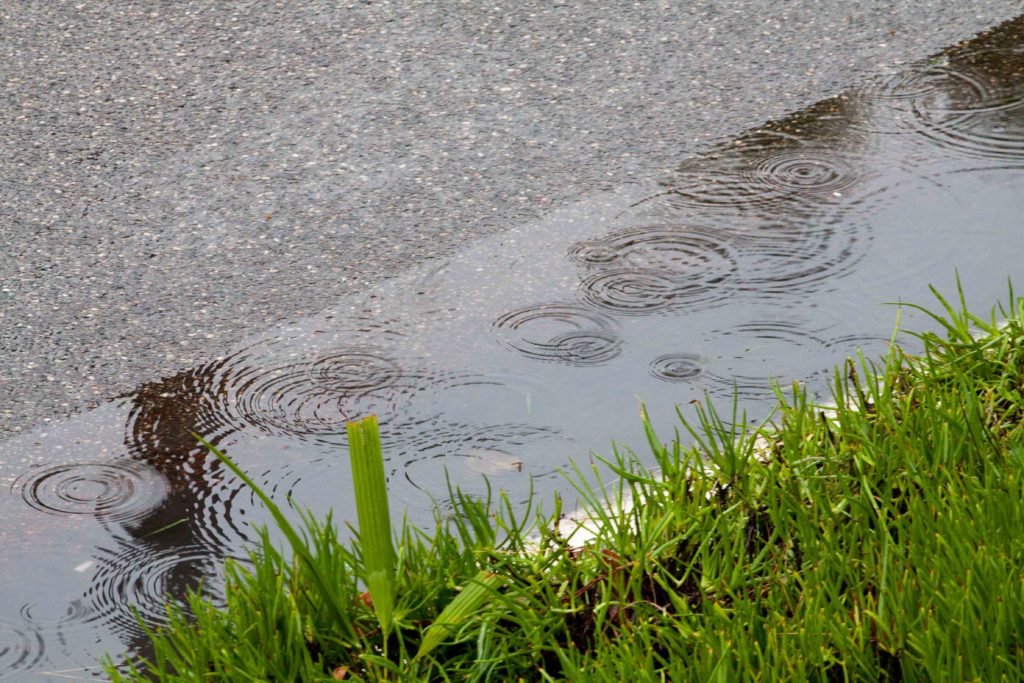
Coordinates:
(882, 539)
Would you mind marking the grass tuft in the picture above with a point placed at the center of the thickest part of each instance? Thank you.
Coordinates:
(877, 537)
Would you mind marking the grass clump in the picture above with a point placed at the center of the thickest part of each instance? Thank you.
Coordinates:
(880, 539)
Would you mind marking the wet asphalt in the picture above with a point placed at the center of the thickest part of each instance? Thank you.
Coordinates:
(177, 176)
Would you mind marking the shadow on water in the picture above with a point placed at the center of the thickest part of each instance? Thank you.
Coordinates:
(758, 262)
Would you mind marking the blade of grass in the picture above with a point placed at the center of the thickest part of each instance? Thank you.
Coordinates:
(371, 493)
(458, 610)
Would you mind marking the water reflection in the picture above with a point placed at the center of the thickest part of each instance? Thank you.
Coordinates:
(967, 100)
(755, 263)
(135, 577)
(786, 169)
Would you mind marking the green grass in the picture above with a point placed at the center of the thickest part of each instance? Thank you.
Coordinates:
(880, 540)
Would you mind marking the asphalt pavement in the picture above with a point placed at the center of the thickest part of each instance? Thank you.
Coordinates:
(176, 176)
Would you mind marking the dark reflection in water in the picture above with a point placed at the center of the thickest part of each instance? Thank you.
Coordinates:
(746, 266)
(171, 548)
(140, 575)
(162, 420)
(968, 100)
(982, 118)
(780, 170)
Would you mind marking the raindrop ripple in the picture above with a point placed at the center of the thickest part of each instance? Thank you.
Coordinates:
(20, 650)
(120, 492)
(563, 333)
(677, 367)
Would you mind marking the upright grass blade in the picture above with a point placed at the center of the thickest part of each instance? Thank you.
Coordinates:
(374, 519)
(470, 600)
(328, 588)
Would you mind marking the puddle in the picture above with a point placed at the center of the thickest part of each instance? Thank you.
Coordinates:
(761, 261)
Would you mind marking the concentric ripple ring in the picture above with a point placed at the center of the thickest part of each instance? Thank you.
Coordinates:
(677, 367)
(114, 491)
(630, 291)
(564, 333)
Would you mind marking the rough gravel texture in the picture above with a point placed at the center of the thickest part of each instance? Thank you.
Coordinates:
(176, 175)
